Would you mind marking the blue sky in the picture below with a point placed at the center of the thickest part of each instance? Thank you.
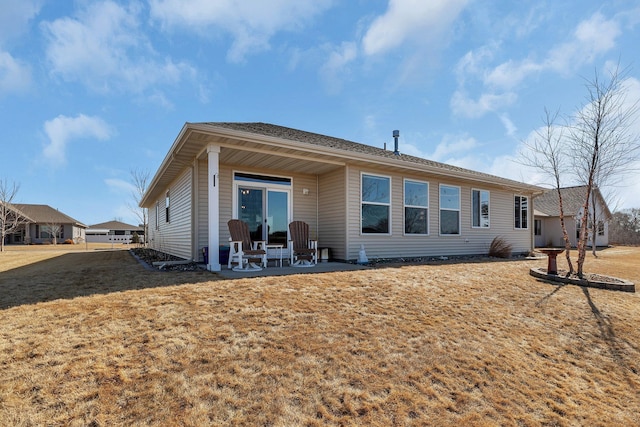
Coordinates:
(90, 90)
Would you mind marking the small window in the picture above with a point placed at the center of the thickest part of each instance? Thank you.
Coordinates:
(167, 203)
(600, 228)
(521, 212)
(449, 210)
(537, 226)
(376, 204)
(416, 207)
(480, 209)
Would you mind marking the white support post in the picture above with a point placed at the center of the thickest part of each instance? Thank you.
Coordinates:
(213, 153)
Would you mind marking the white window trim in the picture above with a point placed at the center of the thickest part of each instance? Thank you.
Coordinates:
(479, 227)
(261, 185)
(404, 182)
(459, 210)
(514, 218)
(389, 222)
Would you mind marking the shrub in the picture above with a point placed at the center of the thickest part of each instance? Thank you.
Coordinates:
(69, 242)
(500, 248)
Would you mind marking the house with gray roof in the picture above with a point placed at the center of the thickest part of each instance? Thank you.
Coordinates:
(44, 224)
(113, 232)
(352, 195)
(547, 228)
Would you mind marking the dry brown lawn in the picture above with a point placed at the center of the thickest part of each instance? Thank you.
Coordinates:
(92, 338)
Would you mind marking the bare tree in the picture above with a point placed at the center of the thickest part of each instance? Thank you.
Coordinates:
(140, 182)
(53, 229)
(602, 143)
(625, 227)
(11, 219)
(545, 153)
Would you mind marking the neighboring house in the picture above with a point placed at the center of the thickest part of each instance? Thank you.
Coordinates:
(547, 229)
(113, 232)
(350, 194)
(43, 223)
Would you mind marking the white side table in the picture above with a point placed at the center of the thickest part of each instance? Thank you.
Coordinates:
(277, 248)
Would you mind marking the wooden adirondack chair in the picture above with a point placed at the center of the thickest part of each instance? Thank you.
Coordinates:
(243, 251)
(304, 251)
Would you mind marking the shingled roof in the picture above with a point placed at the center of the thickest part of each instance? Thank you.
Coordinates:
(115, 225)
(572, 201)
(44, 214)
(296, 135)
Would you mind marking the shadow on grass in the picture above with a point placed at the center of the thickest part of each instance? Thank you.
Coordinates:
(605, 326)
(83, 274)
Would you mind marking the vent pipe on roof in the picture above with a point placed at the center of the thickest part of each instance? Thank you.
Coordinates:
(396, 134)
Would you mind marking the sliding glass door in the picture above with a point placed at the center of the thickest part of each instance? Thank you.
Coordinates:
(265, 204)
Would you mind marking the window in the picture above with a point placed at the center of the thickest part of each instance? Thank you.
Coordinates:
(521, 212)
(376, 204)
(416, 207)
(537, 226)
(167, 207)
(157, 216)
(48, 231)
(479, 208)
(449, 210)
(600, 228)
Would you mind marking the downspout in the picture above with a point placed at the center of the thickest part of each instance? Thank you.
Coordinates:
(317, 208)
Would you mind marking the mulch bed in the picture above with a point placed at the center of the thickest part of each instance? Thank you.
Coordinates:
(148, 256)
(589, 280)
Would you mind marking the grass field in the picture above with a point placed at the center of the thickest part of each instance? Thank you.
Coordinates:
(91, 338)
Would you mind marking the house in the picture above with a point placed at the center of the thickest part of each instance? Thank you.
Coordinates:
(113, 232)
(350, 194)
(547, 229)
(42, 223)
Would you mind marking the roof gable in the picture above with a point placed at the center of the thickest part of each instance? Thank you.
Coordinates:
(115, 225)
(44, 214)
(572, 201)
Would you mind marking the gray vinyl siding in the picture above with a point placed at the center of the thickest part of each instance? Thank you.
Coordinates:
(305, 206)
(226, 201)
(174, 237)
(332, 213)
(201, 206)
(470, 241)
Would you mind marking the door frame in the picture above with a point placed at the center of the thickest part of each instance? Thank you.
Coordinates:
(278, 184)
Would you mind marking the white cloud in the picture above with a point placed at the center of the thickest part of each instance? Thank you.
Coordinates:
(424, 22)
(120, 186)
(104, 49)
(591, 38)
(453, 144)
(462, 105)
(62, 130)
(14, 75)
(251, 23)
(509, 127)
(510, 74)
(335, 70)
(15, 17)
